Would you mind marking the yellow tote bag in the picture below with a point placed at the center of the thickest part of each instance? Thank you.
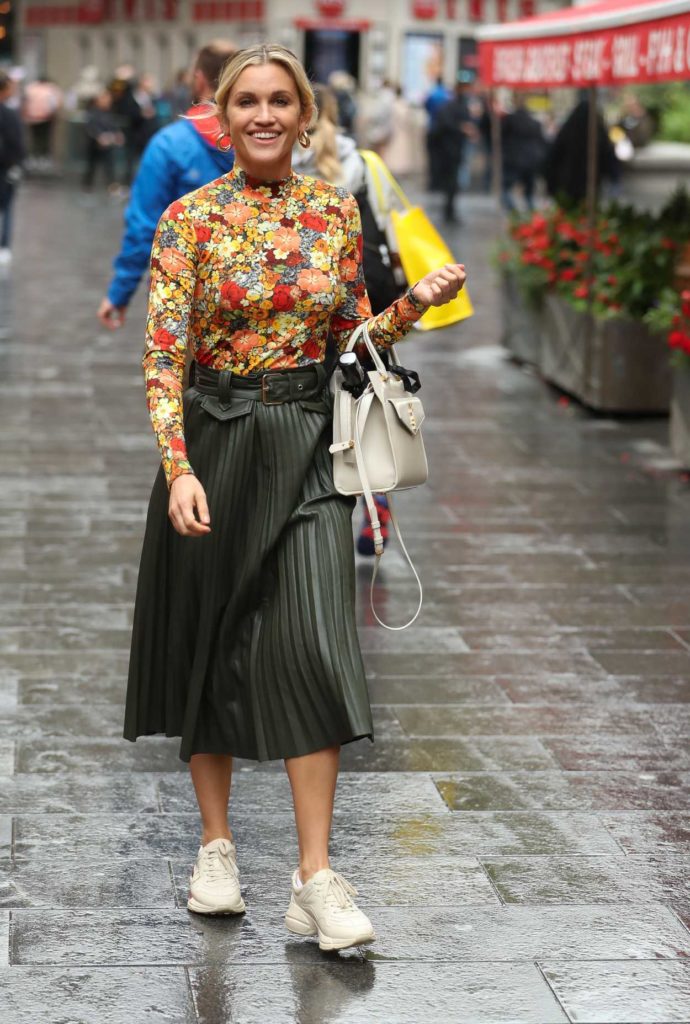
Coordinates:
(420, 247)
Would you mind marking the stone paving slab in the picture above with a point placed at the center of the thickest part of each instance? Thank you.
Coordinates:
(375, 992)
(551, 790)
(87, 880)
(660, 878)
(621, 992)
(509, 933)
(123, 995)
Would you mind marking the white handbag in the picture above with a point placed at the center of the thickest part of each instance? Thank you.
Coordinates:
(377, 445)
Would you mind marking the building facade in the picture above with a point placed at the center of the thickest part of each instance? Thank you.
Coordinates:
(406, 41)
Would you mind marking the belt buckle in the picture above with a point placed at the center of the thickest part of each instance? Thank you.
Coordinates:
(264, 390)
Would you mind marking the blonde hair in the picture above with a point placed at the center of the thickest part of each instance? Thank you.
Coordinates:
(324, 136)
(265, 53)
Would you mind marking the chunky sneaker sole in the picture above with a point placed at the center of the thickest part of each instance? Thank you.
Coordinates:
(300, 922)
(201, 908)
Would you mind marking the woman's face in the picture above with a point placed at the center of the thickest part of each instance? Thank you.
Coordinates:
(264, 118)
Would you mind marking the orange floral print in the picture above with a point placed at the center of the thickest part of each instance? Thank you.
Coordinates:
(254, 276)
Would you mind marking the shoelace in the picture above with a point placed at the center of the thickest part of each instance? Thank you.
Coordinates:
(338, 892)
(218, 865)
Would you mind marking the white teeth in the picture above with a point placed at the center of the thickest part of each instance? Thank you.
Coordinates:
(265, 135)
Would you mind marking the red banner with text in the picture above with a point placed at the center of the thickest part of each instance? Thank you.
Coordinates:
(651, 51)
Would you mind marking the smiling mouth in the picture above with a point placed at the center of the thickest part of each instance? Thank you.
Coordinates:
(264, 136)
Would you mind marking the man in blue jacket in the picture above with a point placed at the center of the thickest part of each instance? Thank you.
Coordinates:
(179, 158)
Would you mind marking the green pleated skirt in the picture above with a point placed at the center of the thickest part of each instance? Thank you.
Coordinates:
(244, 640)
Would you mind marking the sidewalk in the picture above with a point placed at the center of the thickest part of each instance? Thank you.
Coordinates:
(518, 831)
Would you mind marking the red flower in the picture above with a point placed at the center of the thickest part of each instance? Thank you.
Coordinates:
(569, 274)
(202, 232)
(164, 339)
(312, 349)
(581, 292)
(232, 294)
(667, 243)
(313, 221)
(612, 279)
(677, 339)
(174, 210)
(283, 299)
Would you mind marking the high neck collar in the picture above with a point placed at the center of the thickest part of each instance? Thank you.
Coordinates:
(271, 187)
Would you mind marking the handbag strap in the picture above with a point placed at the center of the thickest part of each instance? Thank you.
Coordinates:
(376, 525)
(378, 170)
(396, 527)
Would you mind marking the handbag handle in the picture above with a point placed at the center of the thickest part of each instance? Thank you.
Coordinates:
(378, 170)
(362, 333)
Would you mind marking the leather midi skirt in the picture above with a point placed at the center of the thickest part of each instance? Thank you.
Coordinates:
(244, 640)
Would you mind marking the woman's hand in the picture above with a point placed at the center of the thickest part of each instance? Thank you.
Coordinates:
(187, 496)
(440, 286)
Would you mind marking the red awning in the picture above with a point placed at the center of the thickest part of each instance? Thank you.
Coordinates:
(612, 42)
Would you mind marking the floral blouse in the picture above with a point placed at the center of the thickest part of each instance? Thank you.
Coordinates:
(254, 276)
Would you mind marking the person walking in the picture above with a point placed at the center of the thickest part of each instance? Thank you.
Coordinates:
(333, 156)
(102, 140)
(180, 157)
(454, 127)
(41, 105)
(565, 165)
(244, 640)
(523, 148)
(437, 98)
(12, 154)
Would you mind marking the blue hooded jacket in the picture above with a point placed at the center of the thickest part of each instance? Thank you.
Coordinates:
(177, 160)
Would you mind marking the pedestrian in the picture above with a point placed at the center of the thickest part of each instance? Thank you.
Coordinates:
(333, 156)
(397, 151)
(180, 157)
(523, 148)
(12, 154)
(436, 99)
(565, 166)
(102, 140)
(454, 127)
(244, 640)
(41, 106)
(344, 88)
(377, 119)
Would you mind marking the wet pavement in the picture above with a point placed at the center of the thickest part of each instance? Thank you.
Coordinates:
(519, 830)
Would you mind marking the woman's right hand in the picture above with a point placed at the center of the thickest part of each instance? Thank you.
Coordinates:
(187, 508)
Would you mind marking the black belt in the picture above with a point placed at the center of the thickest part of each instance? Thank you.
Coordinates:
(274, 387)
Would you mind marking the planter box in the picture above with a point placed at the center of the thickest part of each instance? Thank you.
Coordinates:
(680, 416)
(610, 365)
(522, 326)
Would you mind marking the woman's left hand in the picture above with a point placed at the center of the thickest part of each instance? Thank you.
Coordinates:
(440, 286)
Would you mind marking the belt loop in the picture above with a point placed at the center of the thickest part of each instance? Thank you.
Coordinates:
(225, 388)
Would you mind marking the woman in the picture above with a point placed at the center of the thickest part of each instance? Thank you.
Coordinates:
(334, 157)
(244, 639)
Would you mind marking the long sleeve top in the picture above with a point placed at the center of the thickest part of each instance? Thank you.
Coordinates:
(254, 276)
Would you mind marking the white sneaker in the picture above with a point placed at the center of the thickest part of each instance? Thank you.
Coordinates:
(5, 256)
(214, 886)
(323, 906)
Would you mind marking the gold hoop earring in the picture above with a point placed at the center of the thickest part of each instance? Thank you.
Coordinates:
(223, 149)
(304, 140)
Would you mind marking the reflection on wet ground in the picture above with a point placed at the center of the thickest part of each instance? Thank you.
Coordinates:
(519, 830)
